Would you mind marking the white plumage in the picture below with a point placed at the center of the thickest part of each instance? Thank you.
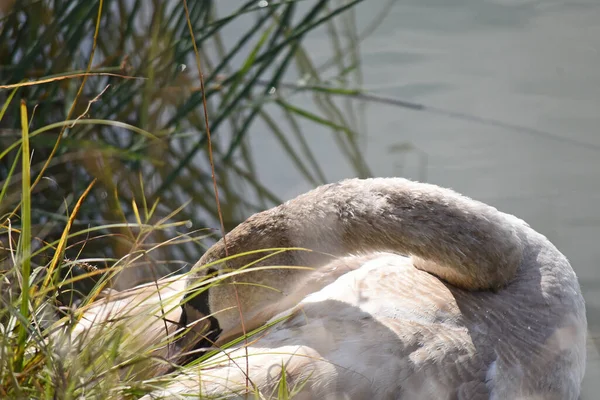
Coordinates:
(417, 293)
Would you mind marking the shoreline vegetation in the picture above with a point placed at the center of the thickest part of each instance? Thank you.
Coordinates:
(105, 179)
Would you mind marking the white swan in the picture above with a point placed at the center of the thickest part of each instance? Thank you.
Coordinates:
(418, 293)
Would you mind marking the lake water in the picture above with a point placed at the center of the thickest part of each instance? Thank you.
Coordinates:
(533, 64)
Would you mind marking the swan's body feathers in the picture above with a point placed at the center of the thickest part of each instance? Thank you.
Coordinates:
(416, 292)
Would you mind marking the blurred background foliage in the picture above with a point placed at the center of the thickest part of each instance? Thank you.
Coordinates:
(164, 161)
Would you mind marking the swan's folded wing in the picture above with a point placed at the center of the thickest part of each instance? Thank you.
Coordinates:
(362, 337)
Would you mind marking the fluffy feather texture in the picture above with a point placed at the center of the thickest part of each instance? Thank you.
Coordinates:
(417, 293)
(464, 242)
(483, 307)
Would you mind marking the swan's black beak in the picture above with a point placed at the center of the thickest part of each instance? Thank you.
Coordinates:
(197, 342)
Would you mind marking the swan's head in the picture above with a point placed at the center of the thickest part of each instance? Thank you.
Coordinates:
(241, 293)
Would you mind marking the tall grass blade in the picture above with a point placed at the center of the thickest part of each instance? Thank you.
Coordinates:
(25, 239)
(59, 252)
